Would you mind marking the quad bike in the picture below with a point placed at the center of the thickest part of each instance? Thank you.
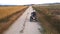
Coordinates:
(33, 18)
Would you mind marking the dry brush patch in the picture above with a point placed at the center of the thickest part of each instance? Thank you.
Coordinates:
(51, 14)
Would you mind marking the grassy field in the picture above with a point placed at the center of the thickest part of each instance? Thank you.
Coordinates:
(9, 14)
(50, 16)
(6, 11)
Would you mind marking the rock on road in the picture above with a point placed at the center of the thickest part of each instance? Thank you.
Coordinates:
(23, 26)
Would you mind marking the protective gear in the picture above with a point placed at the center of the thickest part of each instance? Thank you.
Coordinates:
(33, 14)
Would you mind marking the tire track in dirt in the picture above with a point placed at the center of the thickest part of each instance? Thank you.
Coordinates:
(24, 24)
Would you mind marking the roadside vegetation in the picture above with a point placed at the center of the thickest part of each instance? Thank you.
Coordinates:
(50, 18)
(8, 14)
(6, 11)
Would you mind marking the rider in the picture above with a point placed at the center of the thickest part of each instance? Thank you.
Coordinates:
(33, 13)
(33, 16)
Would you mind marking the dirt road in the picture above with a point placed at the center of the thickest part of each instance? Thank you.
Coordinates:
(23, 25)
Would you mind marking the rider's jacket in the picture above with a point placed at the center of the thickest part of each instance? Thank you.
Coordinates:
(33, 14)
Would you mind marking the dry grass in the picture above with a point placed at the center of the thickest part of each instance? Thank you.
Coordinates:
(6, 11)
(51, 14)
(13, 13)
